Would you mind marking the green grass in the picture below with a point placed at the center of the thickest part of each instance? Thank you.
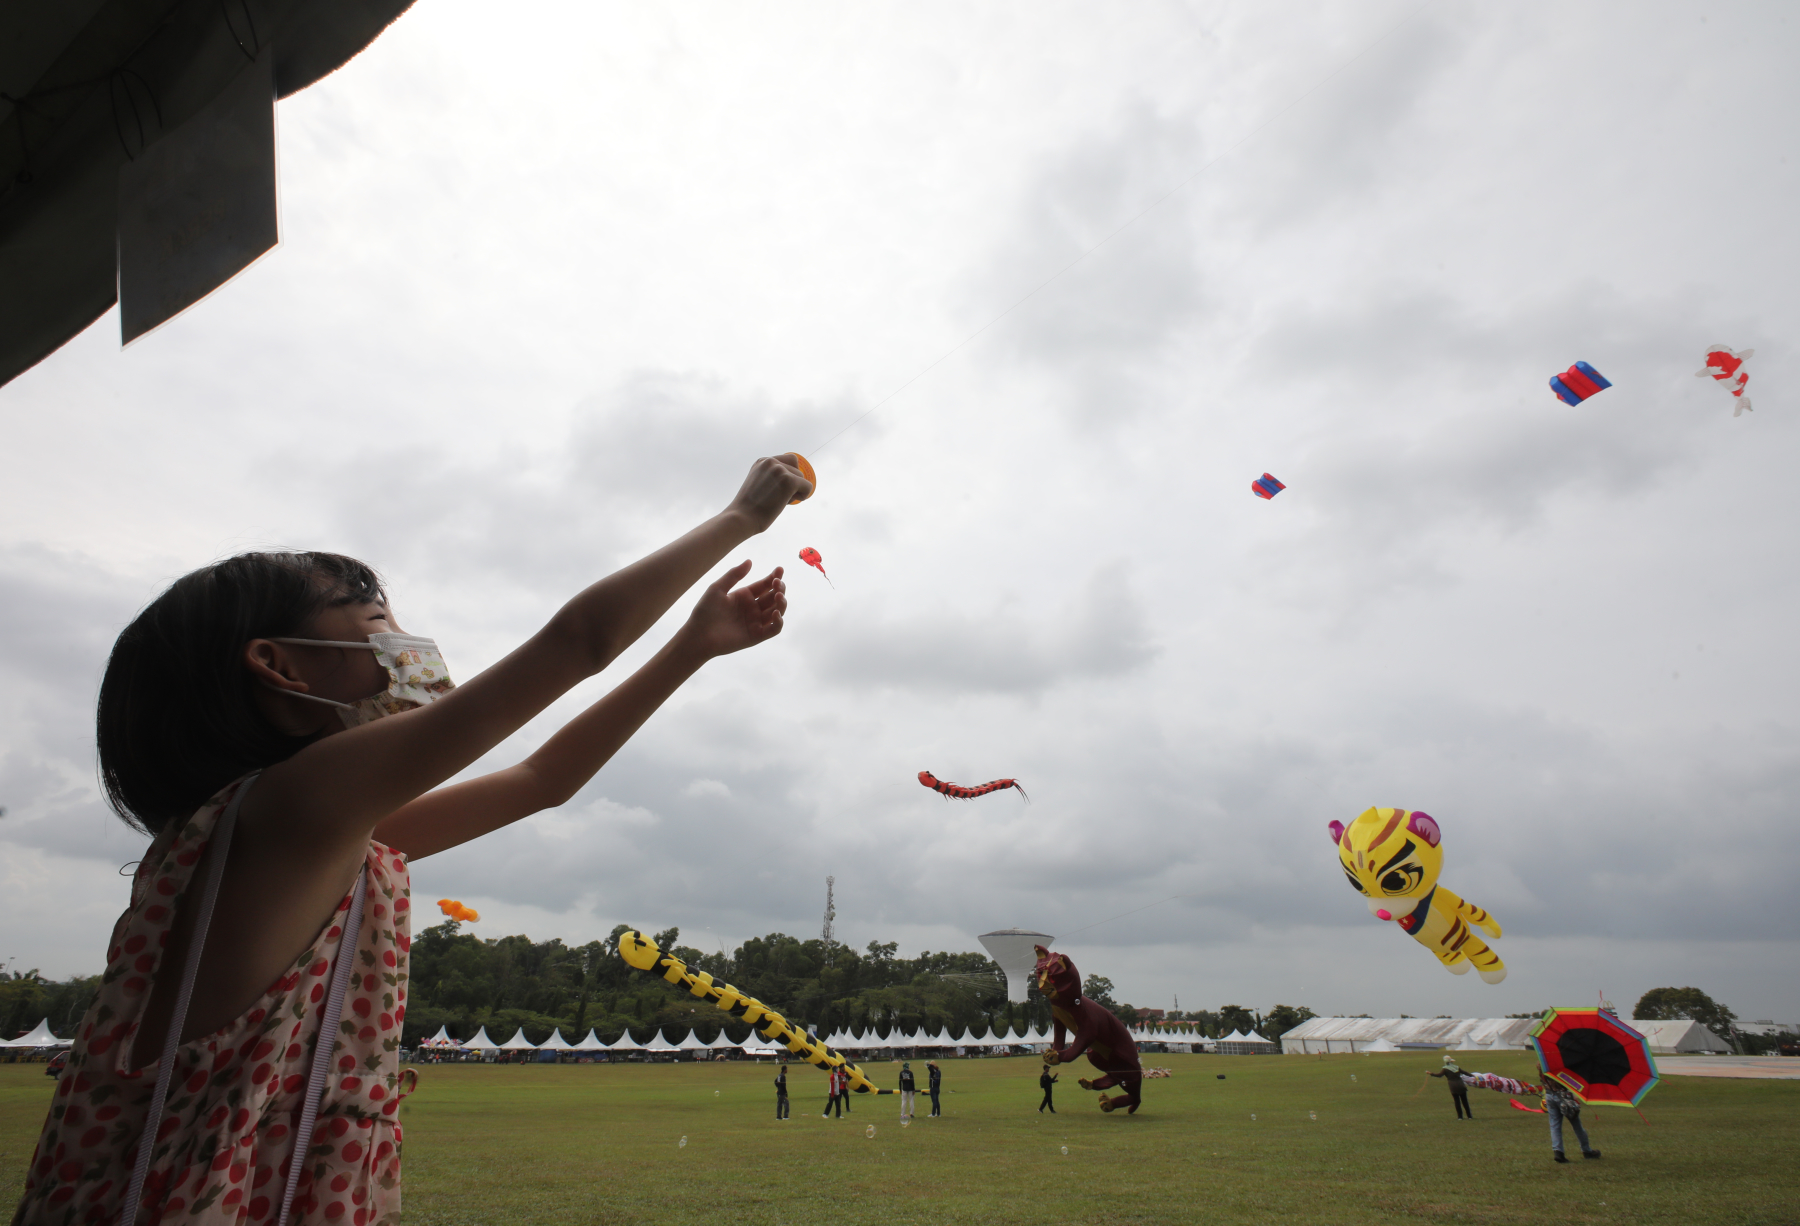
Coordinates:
(600, 1144)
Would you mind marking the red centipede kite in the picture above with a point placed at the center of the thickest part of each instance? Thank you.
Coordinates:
(962, 793)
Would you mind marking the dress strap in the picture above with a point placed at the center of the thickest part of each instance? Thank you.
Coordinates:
(165, 1067)
(325, 1045)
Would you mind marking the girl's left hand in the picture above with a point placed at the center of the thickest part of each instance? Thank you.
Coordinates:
(726, 621)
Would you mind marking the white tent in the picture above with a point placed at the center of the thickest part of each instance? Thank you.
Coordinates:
(440, 1039)
(692, 1043)
(1377, 1044)
(626, 1042)
(481, 1042)
(723, 1042)
(555, 1042)
(1682, 1035)
(518, 1042)
(658, 1043)
(40, 1037)
(591, 1043)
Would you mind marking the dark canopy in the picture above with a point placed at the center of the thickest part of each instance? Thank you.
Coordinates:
(84, 86)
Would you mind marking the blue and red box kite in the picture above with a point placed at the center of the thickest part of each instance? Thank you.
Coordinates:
(1266, 487)
(1578, 383)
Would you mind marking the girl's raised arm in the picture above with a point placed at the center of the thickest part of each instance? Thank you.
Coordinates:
(330, 795)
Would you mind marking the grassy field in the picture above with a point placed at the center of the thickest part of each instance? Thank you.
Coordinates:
(601, 1144)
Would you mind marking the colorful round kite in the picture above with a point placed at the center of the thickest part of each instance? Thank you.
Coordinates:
(1266, 487)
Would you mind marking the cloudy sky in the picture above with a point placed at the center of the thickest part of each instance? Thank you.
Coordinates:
(544, 291)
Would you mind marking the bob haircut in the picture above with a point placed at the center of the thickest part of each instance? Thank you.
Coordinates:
(177, 718)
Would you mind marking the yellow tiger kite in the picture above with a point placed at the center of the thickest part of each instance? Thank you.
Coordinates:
(1391, 857)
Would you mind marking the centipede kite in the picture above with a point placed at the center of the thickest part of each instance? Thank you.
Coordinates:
(962, 793)
(641, 953)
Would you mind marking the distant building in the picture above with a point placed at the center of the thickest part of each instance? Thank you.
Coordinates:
(1763, 1025)
(1151, 1015)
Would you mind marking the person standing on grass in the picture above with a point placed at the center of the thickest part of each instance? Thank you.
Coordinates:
(1560, 1104)
(934, 1082)
(1459, 1093)
(834, 1081)
(844, 1092)
(1047, 1083)
(288, 746)
(781, 1095)
(906, 1090)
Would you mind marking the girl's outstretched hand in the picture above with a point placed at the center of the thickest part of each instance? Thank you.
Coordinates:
(726, 621)
(772, 484)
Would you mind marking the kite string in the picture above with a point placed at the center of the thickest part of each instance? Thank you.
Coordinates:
(1109, 919)
(1129, 222)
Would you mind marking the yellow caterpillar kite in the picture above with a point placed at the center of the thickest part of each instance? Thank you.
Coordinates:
(1392, 857)
(641, 953)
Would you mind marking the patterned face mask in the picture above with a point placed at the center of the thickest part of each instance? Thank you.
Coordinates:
(415, 669)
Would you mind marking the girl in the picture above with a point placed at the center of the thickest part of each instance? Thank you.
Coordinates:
(269, 723)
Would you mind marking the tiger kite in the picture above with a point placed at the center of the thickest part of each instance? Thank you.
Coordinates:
(1391, 857)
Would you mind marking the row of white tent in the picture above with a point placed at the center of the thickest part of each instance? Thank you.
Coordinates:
(841, 1041)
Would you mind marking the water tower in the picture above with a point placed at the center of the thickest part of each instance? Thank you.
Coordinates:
(1013, 949)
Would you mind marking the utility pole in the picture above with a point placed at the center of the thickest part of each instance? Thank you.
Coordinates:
(830, 914)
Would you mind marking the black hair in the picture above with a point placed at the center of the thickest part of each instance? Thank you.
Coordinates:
(177, 718)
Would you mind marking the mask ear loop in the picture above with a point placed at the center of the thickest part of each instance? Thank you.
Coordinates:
(330, 702)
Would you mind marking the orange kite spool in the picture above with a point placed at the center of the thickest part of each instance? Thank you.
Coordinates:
(806, 470)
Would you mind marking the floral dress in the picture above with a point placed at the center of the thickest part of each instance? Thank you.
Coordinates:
(227, 1134)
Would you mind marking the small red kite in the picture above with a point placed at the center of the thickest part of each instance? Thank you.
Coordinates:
(812, 558)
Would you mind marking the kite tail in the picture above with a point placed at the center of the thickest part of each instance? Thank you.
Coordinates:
(641, 953)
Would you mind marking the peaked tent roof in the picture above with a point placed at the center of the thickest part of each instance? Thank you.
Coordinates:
(518, 1042)
(626, 1042)
(1678, 1035)
(481, 1042)
(591, 1043)
(555, 1042)
(658, 1043)
(723, 1042)
(42, 1036)
(692, 1042)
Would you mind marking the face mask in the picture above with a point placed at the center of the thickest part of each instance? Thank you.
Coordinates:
(415, 669)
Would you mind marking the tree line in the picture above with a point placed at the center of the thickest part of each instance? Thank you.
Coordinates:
(463, 983)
